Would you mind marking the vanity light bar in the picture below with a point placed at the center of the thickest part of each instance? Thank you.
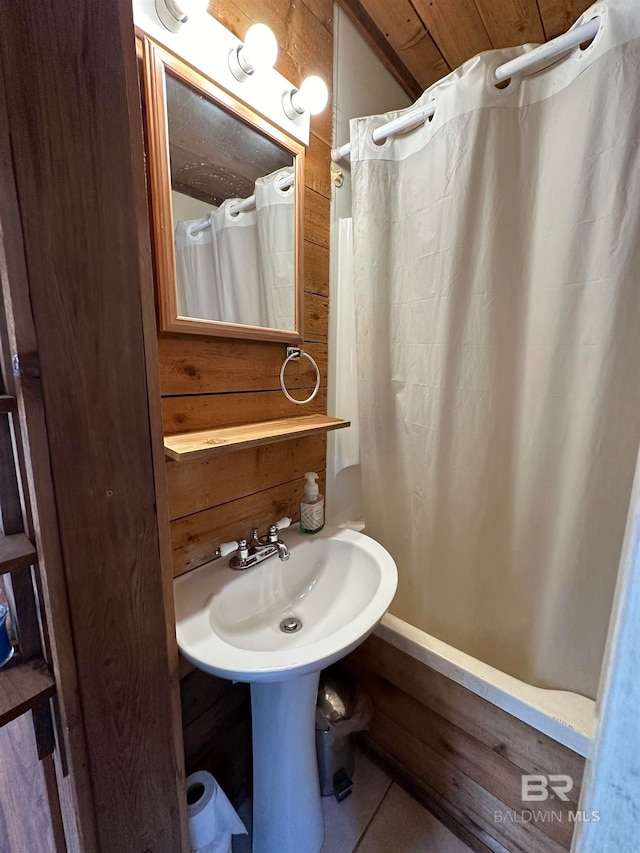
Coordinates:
(206, 45)
(283, 183)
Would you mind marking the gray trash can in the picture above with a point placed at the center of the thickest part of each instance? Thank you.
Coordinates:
(341, 709)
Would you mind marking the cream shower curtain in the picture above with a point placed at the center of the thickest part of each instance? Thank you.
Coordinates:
(497, 274)
(241, 269)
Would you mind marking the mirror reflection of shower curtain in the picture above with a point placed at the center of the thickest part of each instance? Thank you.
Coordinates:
(241, 269)
(276, 245)
(497, 270)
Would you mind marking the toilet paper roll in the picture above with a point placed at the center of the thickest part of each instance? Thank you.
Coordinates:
(211, 817)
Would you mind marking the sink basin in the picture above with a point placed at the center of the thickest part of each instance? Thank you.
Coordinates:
(331, 593)
(337, 583)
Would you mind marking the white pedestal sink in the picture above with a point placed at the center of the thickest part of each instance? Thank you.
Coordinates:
(337, 585)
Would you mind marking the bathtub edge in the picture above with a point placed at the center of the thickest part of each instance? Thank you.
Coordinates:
(568, 718)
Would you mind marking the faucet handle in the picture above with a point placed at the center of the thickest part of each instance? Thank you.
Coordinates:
(243, 550)
(272, 535)
(226, 548)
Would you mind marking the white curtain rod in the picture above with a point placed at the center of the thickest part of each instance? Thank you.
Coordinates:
(525, 62)
(283, 183)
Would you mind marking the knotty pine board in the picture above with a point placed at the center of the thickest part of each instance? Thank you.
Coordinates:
(198, 412)
(316, 317)
(559, 15)
(380, 44)
(317, 176)
(316, 217)
(468, 711)
(195, 537)
(405, 32)
(210, 442)
(509, 23)
(194, 364)
(316, 268)
(204, 483)
(458, 42)
(222, 382)
(462, 755)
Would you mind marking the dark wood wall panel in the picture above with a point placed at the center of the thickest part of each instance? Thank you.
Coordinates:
(505, 22)
(196, 365)
(399, 38)
(216, 382)
(195, 537)
(456, 43)
(316, 216)
(462, 756)
(189, 414)
(210, 481)
(317, 176)
(316, 269)
(79, 167)
(558, 15)
(216, 716)
(420, 41)
(27, 824)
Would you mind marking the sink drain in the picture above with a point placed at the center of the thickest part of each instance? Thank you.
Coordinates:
(290, 625)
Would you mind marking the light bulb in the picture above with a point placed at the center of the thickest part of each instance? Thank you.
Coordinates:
(174, 13)
(313, 95)
(259, 52)
(260, 48)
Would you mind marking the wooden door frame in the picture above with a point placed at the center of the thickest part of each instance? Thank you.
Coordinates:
(77, 280)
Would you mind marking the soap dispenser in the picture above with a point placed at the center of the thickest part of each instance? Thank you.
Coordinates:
(312, 507)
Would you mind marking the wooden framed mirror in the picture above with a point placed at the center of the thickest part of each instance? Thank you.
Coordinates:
(226, 191)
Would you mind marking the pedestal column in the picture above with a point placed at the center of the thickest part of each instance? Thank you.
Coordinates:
(287, 811)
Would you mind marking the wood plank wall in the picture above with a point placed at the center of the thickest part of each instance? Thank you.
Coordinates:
(27, 822)
(461, 756)
(220, 382)
(78, 159)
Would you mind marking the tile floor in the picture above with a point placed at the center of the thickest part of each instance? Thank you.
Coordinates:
(378, 817)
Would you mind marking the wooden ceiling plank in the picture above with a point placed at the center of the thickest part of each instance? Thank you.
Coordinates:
(455, 26)
(361, 19)
(405, 32)
(559, 15)
(511, 22)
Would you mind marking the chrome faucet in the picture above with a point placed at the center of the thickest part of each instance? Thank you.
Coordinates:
(258, 549)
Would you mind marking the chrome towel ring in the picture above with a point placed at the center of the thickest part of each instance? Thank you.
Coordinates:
(295, 353)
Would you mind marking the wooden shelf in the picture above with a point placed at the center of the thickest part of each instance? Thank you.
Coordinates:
(191, 445)
(22, 686)
(7, 404)
(16, 552)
